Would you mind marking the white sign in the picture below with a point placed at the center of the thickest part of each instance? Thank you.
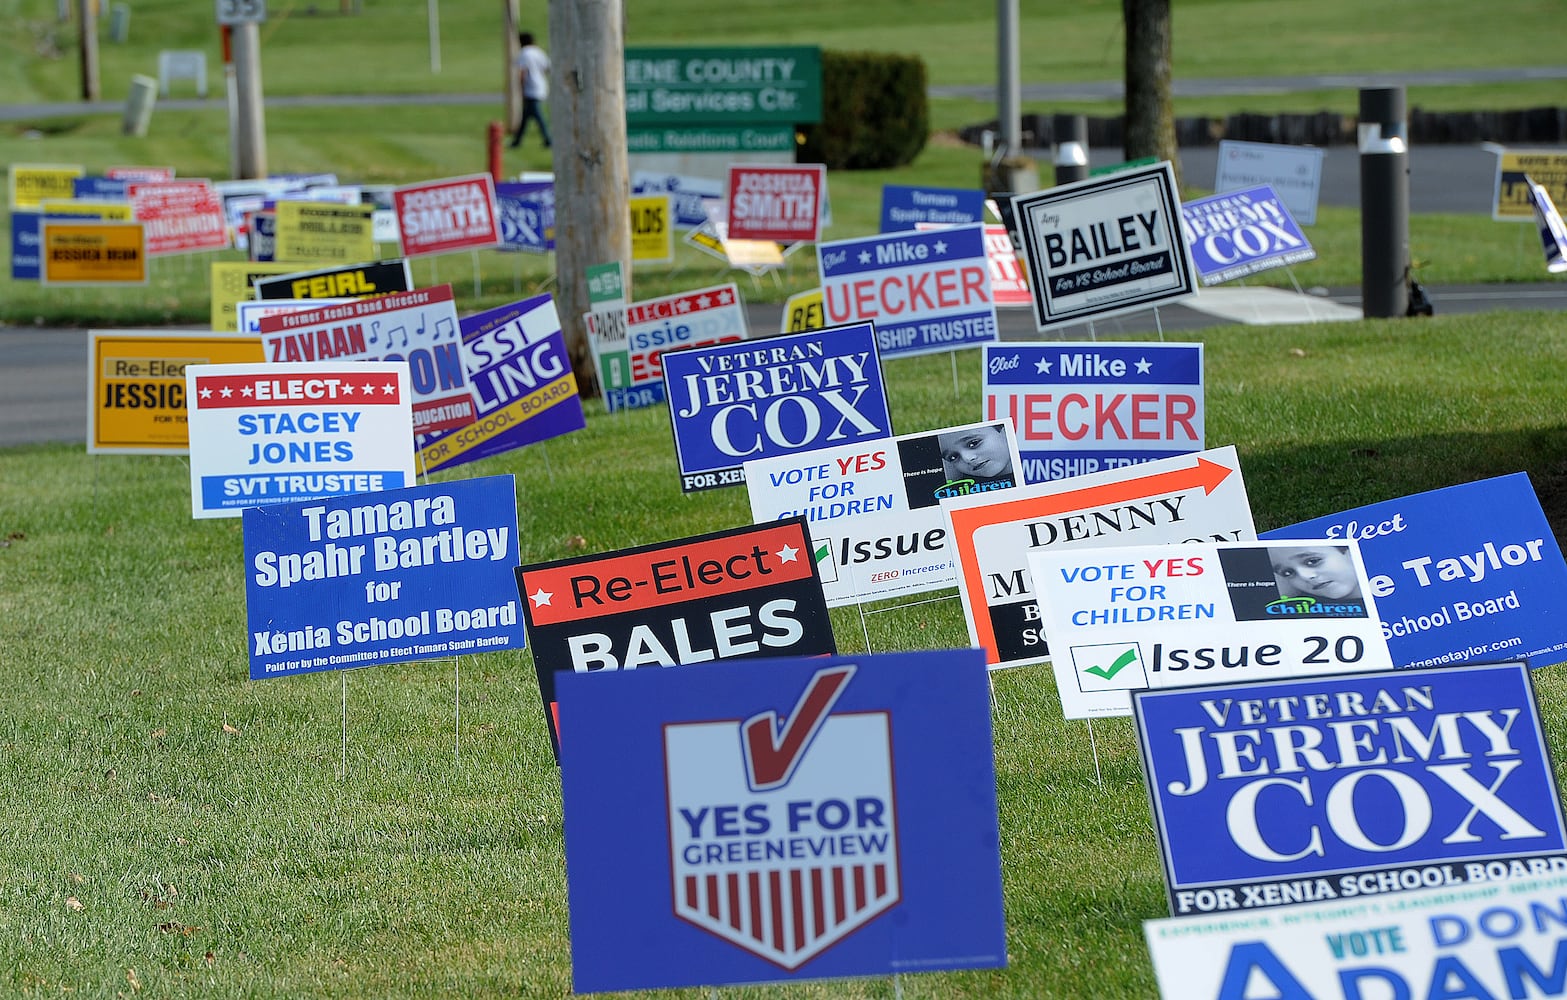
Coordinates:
(874, 508)
(241, 11)
(1105, 246)
(1190, 498)
(262, 433)
(249, 312)
(1159, 616)
(1294, 171)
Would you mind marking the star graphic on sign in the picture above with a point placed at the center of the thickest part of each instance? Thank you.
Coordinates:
(246, 391)
(226, 392)
(540, 597)
(348, 389)
(724, 297)
(705, 301)
(389, 388)
(367, 389)
(865, 256)
(205, 393)
(787, 554)
(1143, 366)
(941, 246)
(683, 305)
(1042, 366)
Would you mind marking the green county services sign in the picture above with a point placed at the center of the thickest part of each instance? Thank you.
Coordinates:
(723, 86)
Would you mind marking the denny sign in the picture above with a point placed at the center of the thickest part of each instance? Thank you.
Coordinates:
(721, 100)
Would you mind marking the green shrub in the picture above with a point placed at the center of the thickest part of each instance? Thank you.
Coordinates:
(875, 113)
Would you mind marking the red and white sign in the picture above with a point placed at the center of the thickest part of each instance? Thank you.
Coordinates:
(179, 216)
(419, 327)
(1008, 285)
(773, 202)
(454, 214)
(140, 173)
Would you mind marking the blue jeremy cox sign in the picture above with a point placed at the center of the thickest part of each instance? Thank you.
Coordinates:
(1331, 788)
(815, 818)
(905, 207)
(1469, 572)
(410, 574)
(527, 215)
(1238, 233)
(733, 403)
(925, 291)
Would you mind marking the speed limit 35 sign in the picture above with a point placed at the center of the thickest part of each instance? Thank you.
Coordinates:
(241, 11)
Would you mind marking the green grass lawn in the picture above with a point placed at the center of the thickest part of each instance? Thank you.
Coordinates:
(177, 830)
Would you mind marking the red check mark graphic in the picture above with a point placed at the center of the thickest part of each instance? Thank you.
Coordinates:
(771, 753)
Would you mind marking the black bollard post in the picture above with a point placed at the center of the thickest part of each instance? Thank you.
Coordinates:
(1384, 203)
(1071, 135)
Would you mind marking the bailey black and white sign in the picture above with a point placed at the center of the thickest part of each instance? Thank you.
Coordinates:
(1293, 791)
(731, 595)
(1104, 246)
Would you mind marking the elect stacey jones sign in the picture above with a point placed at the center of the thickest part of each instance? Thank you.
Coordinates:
(733, 403)
(1294, 791)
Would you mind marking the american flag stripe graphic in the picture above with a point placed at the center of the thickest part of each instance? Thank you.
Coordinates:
(788, 912)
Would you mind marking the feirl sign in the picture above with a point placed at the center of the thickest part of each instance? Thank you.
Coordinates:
(1291, 791)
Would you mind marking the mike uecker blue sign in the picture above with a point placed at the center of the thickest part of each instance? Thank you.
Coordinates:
(1238, 233)
(905, 207)
(1468, 572)
(412, 574)
(733, 403)
(816, 818)
(925, 291)
(1330, 788)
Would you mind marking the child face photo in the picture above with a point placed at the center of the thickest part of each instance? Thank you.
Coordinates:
(1322, 571)
(979, 453)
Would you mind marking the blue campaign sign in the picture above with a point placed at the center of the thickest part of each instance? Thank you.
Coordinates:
(25, 241)
(91, 188)
(1238, 233)
(924, 291)
(523, 387)
(1327, 788)
(527, 215)
(410, 574)
(738, 402)
(1087, 407)
(1462, 573)
(685, 194)
(905, 207)
(780, 820)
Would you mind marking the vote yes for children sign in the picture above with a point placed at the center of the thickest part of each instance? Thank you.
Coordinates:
(1192, 498)
(1156, 616)
(737, 594)
(1083, 407)
(263, 434)
(925, 291)
(411, 574)
(802, 819)
(874, 509)
(1290, 791)
(1469, 572)
(1105, 246)
(733, 403)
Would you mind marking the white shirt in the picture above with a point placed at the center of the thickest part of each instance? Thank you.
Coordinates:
(532, 61)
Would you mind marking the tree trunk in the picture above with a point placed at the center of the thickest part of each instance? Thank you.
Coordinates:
(587, 109)
(1150, 110)
(511, 87)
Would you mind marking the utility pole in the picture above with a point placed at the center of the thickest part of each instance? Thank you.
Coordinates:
(587, 111)
(511, 85)
(250, 129)
(88, 28)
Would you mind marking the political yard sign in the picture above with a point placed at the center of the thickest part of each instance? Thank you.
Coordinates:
(419, 327)
(780, 202)
(527, 215)
(905, 207)
(409, 574)
(1157, 616)
(263, 433)
(457, 213)
(136, 386)
(350, 281)
(1084, 407)
(523, 386)
(874, 508)
(736, 594)
(802, 819)
(1481, 941)
(1105, 246)
(1239, 233)
(248, 312)
(733, 403)
(1289, 791)
(925, 291)
(1469, 572)
(629, 341)
(1295, 172)
(1192, 498)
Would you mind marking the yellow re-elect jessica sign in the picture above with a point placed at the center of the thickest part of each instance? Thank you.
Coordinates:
(91, 252)
(1548, 168)
(652, 229)
(231, 282)
(136, 385)
(324, 232)
(31, 183)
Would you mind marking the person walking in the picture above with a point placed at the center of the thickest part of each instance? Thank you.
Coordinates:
(533, 66)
